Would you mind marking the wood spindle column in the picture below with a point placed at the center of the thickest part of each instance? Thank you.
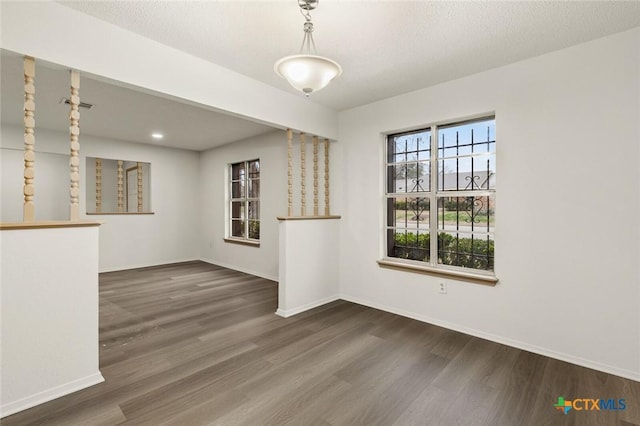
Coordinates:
(120, 188)
(290, 172)
(98, 185)
(74, 159)
(315, 176)
(327, 209)
(303, 175)
(28, 211)
(139, 165)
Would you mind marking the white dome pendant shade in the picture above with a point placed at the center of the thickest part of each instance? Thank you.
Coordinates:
(307, 73)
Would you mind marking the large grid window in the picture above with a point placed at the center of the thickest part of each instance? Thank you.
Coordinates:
(440, 191)
(244, 200)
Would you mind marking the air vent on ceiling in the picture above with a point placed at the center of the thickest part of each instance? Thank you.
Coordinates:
(81, 105)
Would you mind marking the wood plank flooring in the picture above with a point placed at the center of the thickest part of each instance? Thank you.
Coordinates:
(197, 344)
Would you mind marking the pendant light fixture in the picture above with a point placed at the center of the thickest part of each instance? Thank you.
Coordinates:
(307, 71)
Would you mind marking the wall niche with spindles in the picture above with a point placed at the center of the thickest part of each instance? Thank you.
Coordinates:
(118, 186)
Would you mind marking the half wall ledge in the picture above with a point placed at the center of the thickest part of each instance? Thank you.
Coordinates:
(308, 217)
(7, 226)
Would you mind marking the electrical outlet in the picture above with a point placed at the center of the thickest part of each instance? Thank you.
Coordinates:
(443, 288)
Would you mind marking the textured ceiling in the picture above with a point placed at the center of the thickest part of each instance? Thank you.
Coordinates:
(385, 47)
(118, 113)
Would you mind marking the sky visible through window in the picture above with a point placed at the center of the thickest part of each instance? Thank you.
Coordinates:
(416, 147)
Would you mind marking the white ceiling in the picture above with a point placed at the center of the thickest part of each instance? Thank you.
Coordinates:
(386, 48)
(118, 113)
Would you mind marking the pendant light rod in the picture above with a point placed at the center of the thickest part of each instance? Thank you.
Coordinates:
(307, 41)
(306, 6)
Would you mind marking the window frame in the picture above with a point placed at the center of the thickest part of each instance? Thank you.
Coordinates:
(433, 194)
(245, 199)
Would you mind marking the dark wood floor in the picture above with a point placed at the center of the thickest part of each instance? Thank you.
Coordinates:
(195, 344)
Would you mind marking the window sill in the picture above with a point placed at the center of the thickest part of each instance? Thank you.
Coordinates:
(465, 276)
(116, 213)
(242, 242)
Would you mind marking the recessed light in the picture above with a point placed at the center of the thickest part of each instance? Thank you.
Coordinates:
(157, 135)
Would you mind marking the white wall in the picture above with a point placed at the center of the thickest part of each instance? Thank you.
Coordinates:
(567, 237)
(49, 314)
(51, 184)
(271, 149)
(308, 270)
(127, 241)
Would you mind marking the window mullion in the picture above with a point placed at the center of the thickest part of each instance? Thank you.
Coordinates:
(433, 201)
(246, 218)
(246, 199)
(230, 203)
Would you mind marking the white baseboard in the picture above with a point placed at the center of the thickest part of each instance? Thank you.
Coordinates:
(236, 268)
(144, 265)
(50, 394)
(628, 374)
(285, 313)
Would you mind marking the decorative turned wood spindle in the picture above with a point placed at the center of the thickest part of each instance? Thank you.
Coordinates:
(98, 185)
(326, 178)
(74, 159)
(303, 175)
(120, 188)
(315, 176)
(139, 164)
(290, 172)
(28, 211)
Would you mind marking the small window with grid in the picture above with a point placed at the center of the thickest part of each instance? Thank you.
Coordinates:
(440, 190)
(244, 200)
